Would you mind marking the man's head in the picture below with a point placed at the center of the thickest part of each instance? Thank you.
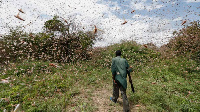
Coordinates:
(118, 53)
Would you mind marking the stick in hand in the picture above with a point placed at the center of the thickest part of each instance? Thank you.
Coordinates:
(130, 80)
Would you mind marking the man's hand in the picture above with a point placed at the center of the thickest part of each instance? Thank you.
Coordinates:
(114, 79)
(130, 69)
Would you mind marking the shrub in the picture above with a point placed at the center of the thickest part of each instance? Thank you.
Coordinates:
(186, 42)
(66, 47)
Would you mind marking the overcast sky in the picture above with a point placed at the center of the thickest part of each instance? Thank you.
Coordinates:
(152, 21)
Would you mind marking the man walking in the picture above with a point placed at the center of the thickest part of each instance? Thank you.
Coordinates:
(119, 73)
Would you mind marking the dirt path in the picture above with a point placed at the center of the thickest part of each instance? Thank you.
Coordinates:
(101, 99)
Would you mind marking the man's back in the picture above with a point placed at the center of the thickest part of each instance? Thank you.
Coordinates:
(119, 69)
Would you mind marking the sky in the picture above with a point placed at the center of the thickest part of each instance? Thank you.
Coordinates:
(153, 21)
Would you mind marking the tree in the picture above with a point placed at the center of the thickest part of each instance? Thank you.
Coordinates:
(54, 25)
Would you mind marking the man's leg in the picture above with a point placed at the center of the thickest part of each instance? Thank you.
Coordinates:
(125, 100)
(115, 92)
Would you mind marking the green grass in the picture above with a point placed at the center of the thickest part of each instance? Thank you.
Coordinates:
(161, 88)
(160, 84)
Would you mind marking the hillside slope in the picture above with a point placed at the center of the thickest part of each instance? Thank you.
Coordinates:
(161, 84)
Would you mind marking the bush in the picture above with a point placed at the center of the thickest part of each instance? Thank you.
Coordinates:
(66, 47)
(187, 41)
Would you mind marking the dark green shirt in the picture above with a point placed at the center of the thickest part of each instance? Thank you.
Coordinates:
(119, 70)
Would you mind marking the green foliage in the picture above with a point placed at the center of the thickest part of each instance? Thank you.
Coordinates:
(38, 86)
(166, 85)
(137, 55)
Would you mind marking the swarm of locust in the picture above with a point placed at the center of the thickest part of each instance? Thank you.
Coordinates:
(18, 17)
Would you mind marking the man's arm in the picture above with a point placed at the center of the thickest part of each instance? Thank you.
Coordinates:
(128, 68)
(113, 70)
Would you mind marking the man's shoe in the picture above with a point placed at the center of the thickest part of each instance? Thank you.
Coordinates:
(112, 100)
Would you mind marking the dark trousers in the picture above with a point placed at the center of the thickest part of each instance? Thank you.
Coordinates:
(116, 88)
